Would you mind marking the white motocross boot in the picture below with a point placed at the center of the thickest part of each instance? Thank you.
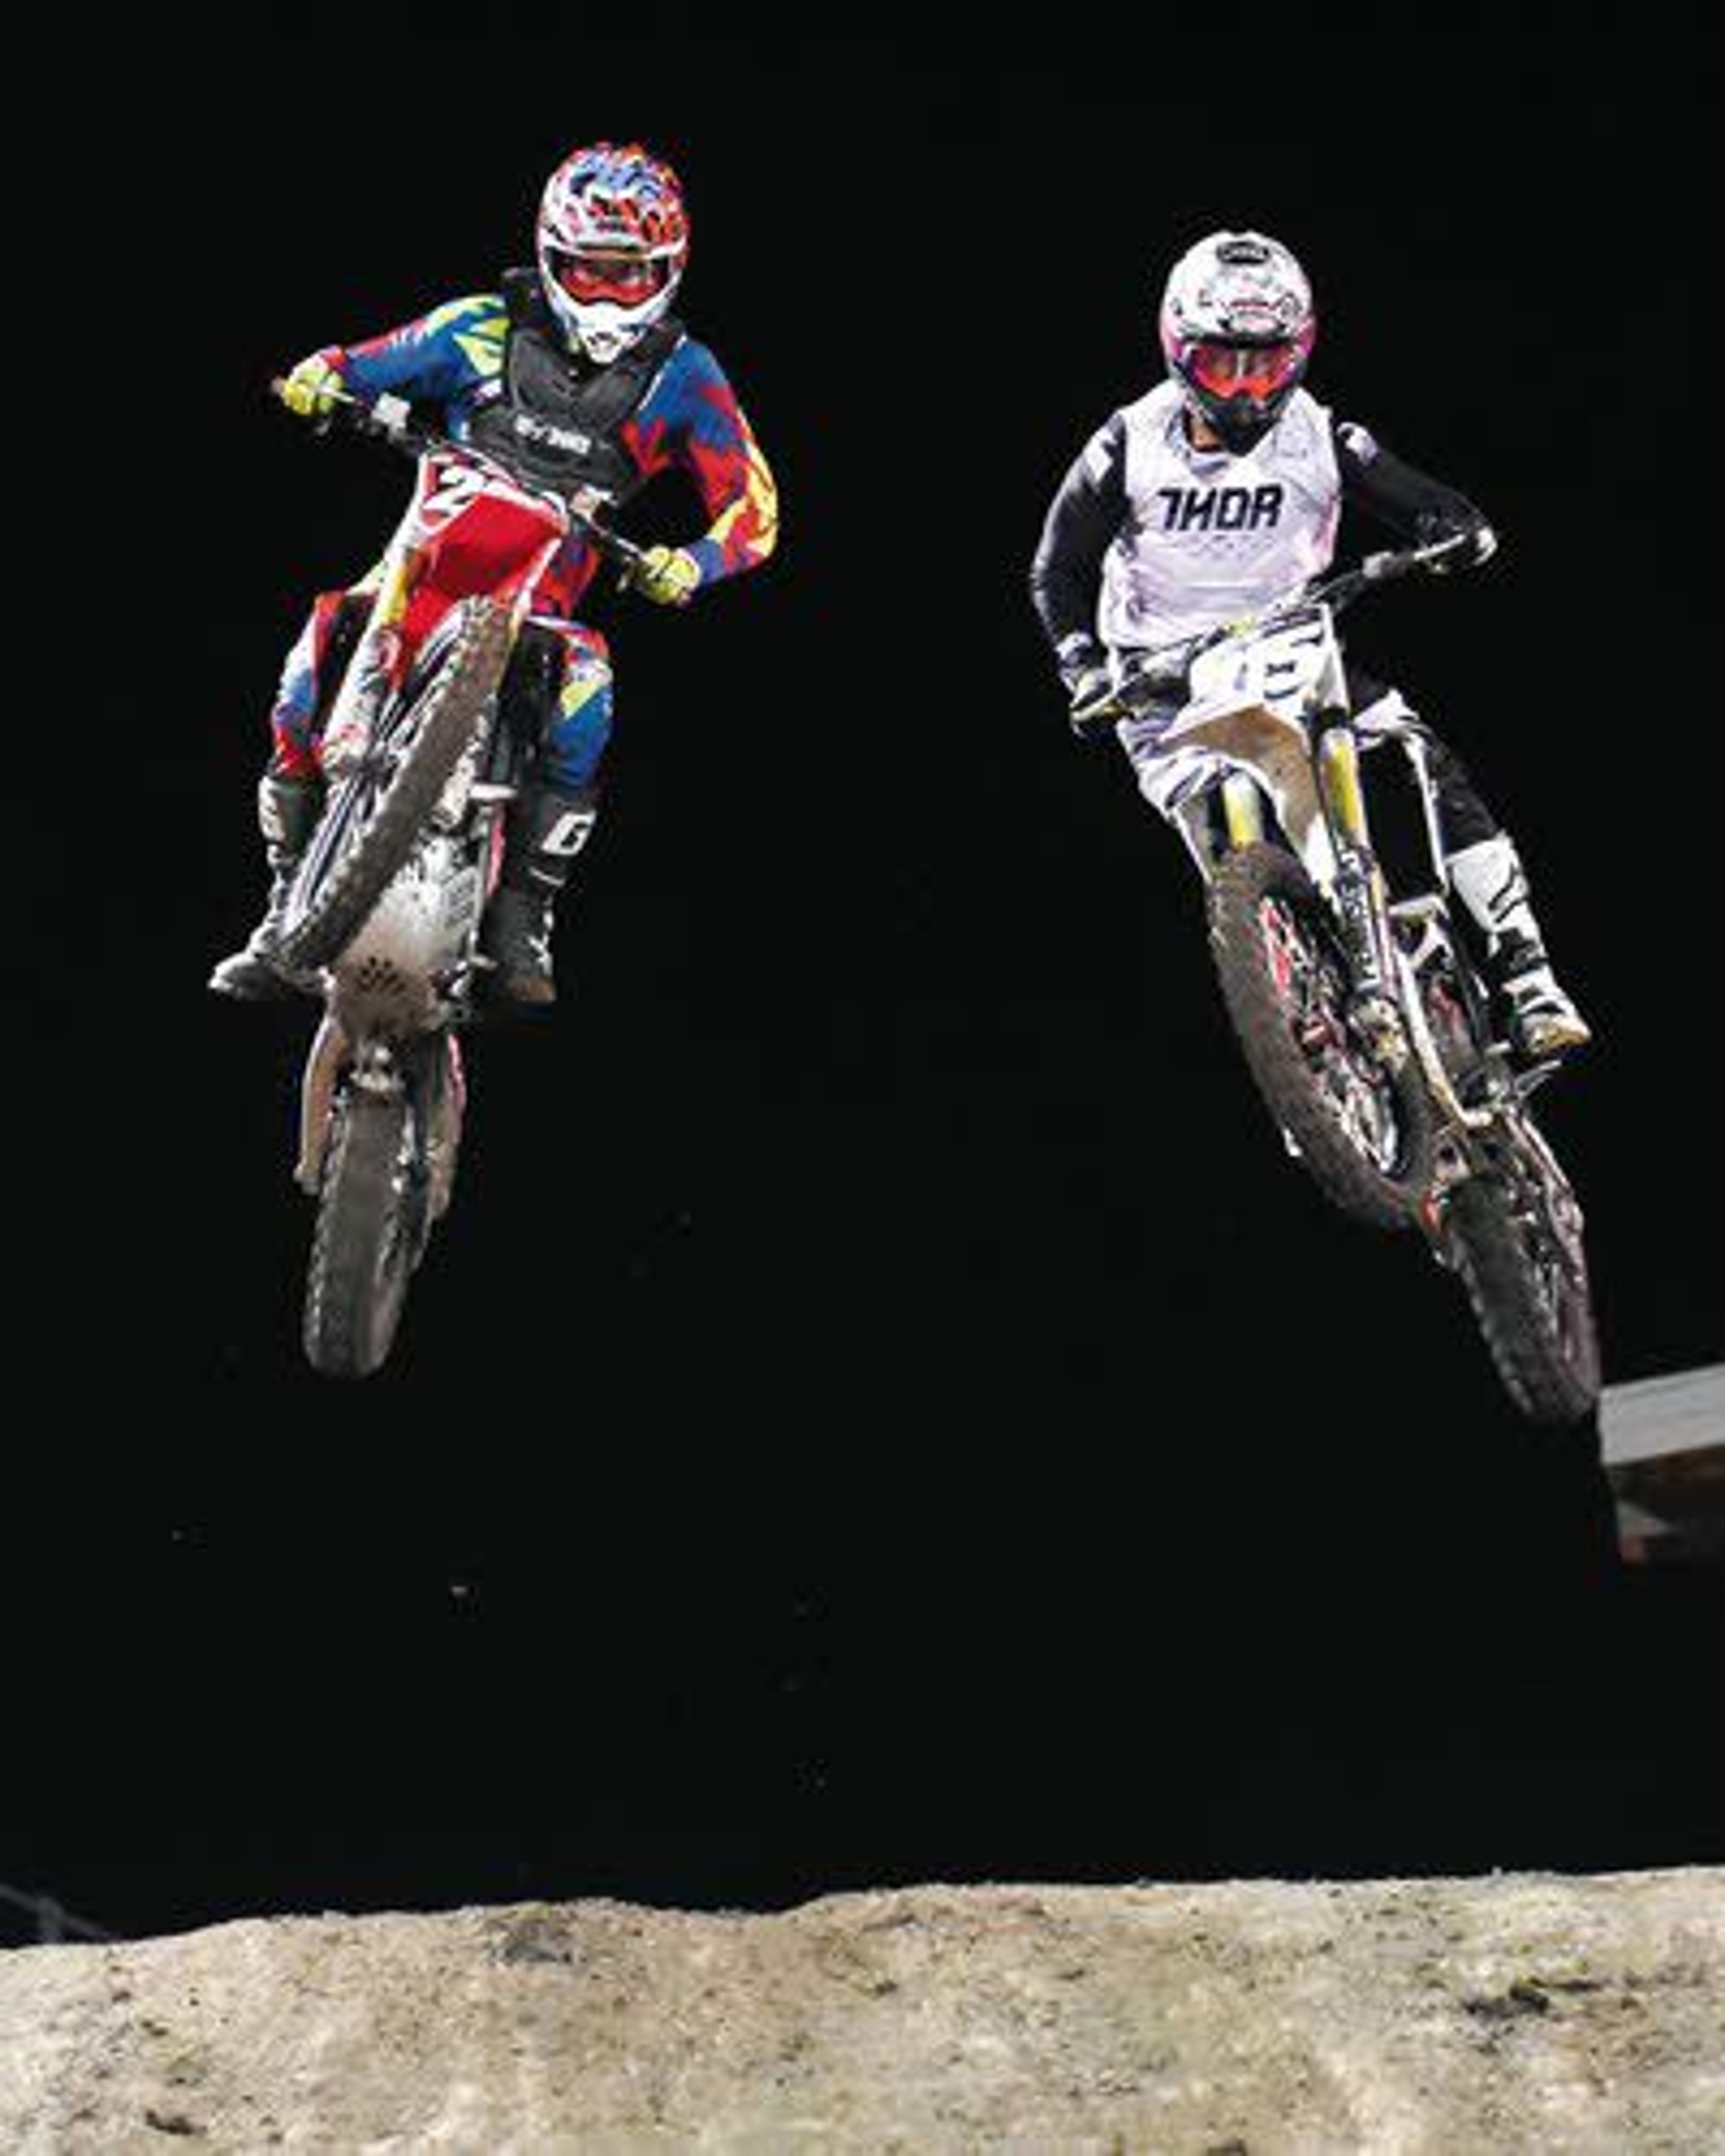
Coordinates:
(1489, 880)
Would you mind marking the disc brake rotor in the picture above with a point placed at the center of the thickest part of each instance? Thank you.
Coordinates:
(1314, 998)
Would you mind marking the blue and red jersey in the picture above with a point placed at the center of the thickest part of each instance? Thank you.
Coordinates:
(688, 421)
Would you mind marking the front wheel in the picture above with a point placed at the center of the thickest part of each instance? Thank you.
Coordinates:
(373, 816)
(1514, 1236)
(1362, 1131)
(370, 1227)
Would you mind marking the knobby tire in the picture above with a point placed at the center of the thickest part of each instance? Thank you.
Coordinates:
(1543, 1346)
(367, 1239)
(325, 920)
(1243, 883)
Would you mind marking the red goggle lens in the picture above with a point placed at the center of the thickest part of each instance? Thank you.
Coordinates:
(627, 279)
(1258, 370)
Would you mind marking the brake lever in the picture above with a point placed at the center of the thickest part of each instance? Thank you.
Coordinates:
(1480, 543)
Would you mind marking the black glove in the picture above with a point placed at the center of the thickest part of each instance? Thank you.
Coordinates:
(1436, 527)
(1094, 707)
(1164, 675)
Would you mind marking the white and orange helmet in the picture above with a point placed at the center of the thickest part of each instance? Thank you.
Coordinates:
(1238, 326)
(613, 239)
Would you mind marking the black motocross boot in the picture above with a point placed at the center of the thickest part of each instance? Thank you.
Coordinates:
(547, 827)
(288, 810)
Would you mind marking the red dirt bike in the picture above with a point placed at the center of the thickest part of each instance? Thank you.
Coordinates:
(383, 919)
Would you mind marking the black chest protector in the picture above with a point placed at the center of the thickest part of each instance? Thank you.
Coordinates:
(556, 419)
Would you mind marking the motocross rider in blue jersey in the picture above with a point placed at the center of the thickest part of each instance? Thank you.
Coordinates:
(576, 373)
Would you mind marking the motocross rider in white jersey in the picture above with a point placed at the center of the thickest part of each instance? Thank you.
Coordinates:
(1219, 493)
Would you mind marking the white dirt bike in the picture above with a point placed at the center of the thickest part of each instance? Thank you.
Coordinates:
(1362, 1012)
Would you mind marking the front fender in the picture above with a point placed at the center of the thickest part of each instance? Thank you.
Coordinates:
(1274, 750)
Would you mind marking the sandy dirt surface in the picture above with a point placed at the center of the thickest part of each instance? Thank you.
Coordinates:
(1516, 2012)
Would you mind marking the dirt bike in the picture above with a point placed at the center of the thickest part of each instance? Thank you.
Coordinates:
(1363, 1016)
(383, 919)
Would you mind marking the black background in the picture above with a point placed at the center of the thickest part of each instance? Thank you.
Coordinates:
(882, 1407)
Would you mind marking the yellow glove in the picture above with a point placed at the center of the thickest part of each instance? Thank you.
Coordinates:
(668, 575)
(313, 387)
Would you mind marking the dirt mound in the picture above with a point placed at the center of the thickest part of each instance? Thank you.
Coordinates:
(1511, 2012)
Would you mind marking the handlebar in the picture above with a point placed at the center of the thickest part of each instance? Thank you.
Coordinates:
(390, 420)
(1156, 672)
(1380, 569)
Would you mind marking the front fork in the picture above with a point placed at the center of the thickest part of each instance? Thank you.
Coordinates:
(1379, 960)
(373, 669)
(1361, 900)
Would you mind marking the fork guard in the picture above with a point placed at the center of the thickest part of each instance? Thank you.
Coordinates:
(324, 1059)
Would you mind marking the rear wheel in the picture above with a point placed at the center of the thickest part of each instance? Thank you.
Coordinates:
(374, 816)
(1515, 1239)
(370, 1227)
(1361, 1130)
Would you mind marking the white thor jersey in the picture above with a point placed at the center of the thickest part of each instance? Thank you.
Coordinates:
(1209, 535)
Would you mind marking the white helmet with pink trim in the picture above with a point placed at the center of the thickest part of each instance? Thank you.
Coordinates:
(613, 239)
(1238, 326)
